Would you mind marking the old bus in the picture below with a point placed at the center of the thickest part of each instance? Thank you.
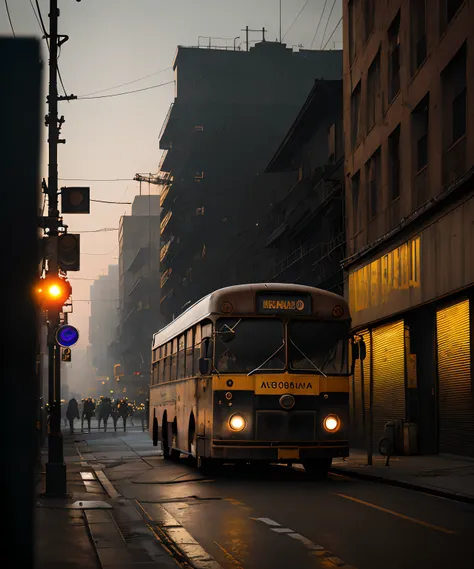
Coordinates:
(254, 372)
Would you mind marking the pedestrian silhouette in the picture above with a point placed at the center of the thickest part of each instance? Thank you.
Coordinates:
(72, 413)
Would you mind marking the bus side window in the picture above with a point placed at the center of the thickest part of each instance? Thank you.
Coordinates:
(181, 355)
(206, 332)
(159, 368)
(168, 361)
(174, 359)
(197, 347)
(189, 354)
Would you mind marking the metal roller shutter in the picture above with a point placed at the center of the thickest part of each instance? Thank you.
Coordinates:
(357, 433)
(388, 345)
(456, 404)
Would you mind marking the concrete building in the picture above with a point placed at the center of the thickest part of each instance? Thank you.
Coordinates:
(138, 294)
(231, 110)
(300, 237)
(409, 163)
(103, 320)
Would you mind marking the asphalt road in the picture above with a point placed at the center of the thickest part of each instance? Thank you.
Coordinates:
(280, 519)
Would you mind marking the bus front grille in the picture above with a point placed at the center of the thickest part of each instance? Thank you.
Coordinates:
(286, 426)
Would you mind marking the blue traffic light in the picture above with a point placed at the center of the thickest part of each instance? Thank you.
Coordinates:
(67, 336)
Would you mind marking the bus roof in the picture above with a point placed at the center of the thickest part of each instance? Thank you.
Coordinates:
(245, 293)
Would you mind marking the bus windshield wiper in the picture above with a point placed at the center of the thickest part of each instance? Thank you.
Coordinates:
(310, 361)
(267, 360)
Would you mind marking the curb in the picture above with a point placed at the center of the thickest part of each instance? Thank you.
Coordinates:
(406, 485)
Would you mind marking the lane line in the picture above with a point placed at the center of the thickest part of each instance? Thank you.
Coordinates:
(305, 541)
(267, 521)
(107, 485)
(229, 557)
(282, 530)
(398, 515)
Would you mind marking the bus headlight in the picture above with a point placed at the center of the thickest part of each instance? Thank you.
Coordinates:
(331, 423)
(237, 423)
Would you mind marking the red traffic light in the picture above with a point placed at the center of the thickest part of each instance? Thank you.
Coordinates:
(53, 292)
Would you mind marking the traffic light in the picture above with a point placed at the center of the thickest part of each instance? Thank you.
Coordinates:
(69, 251)
(75, 200)
(66, 355)
(53, 292)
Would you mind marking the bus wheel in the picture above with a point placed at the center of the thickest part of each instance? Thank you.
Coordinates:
(318, 468)
(164, 440)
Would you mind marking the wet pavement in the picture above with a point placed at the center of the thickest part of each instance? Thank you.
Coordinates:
(276, 517)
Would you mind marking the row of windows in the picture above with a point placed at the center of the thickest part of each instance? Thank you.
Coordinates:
(179, 358)
(453, 126)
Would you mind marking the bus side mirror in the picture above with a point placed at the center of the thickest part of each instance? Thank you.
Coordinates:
(205, 366)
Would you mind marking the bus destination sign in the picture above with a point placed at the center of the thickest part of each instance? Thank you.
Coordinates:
(286, 304)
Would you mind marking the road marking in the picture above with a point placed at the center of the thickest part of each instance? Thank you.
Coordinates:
(229, 556)
(398, 515)
(87, 476)
(234, 502)
(184, 542)
(326, 558)
(267, 521)
(108, 486)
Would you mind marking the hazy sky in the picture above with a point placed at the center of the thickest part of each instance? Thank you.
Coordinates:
(117, 41)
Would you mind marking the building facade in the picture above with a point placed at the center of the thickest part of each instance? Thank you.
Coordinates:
(103, 321)
(138, 294)
(300, 236)
(409, 164)
(230, 111)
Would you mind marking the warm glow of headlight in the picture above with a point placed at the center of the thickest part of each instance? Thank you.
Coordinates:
(331, 423)
(54, 290)
(237, 423)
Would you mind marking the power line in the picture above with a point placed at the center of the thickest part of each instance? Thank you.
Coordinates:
(34, 12)
(128, 82)
(46, 35)
(9, 18)
(128, 92)
(97, 230)
(319, 23)
(296, 19)
(333, 32)
(104, 201)
(327, 23)
(96, 179)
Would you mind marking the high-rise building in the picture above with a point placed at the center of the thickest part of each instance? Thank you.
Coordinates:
(409, 164)
(231, 110)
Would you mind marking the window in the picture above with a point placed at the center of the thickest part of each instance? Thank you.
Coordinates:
(355, 184)
(420, 128)
(189, 354)
(197, 347)
(394, 164)
(355, 116)
(373, 90)
(181, 357)
(167, 371)
(449, 8)
(418, 33)
(394, 58)
(369, 15)
(373, 176)
(352, 29)
(174, 359)
(453, 81)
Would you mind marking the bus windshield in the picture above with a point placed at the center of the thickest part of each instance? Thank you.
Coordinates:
(319, 347)
(254, 344)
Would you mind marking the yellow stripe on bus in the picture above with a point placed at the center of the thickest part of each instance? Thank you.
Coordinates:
(279, 384)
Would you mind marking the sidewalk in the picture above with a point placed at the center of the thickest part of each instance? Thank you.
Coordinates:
(446, 476)
(92, 528)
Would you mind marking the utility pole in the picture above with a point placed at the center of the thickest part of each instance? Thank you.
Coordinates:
(56, 485)
(280, 21)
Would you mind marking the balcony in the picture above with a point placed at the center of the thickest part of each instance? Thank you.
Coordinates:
(165, 277)
(165, 221)
(164, 250)
(454, 162)
(164, 192)
(164, 137)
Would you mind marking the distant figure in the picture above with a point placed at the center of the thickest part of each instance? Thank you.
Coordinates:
(87, 413)
(140, 413)
(72, 413)
(63, 412)
(124, 411)
(104, 412)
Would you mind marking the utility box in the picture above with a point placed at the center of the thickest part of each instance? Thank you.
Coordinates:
(410, 438)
